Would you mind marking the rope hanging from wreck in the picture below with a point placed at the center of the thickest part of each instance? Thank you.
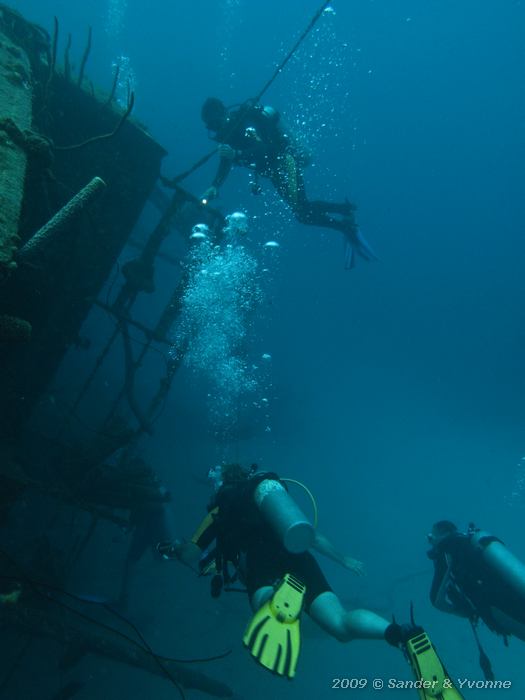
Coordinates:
(85, 58)
(102, 137)
(114, 85)
(254, 101)
(37, 585)
(143, 644)
(294, 48)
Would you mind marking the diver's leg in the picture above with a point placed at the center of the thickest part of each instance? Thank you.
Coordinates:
(314, 214)
(315, 211)
(355, 242)
(286, 177)
(288, 181)
(346, 625)
(345, 208)
(261, 596)
(310, 216)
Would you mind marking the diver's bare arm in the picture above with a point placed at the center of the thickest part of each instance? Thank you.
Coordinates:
(323, 545)
(223, 171)
(225, 165)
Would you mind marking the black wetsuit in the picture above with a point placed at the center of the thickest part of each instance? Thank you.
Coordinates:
(475, 588)
(262, 143)
(236, 536)
(256, 138)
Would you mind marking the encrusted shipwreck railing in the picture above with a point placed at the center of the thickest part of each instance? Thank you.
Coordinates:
(75, 172)
(16, 118)
(59, 145)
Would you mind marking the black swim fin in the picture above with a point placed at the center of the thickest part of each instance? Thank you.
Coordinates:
(355, 244)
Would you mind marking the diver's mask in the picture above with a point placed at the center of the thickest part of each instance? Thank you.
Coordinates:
(215, 476)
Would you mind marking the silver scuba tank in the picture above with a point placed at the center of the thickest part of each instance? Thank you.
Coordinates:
(287, 520)
(501, 560)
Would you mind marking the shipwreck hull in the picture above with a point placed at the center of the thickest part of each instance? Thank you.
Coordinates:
(48, 297)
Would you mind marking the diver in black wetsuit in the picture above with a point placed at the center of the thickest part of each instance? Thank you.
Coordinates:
(254, 533)
(236, 536)
(477, 577)
(254, 136)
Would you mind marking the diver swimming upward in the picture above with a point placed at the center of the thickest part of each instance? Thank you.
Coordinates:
(255, 137)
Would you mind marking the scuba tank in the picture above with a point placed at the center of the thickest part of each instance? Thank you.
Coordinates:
(499, 559)
(287, 520)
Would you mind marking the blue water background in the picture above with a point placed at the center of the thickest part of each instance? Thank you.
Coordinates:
(397, 388)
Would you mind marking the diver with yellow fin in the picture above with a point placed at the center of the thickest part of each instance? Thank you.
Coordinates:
(272, 636)
(256, 536)
(432, 680)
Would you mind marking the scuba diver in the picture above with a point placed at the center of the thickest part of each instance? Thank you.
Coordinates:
(255, 535)
(477, 577)
(255, 137)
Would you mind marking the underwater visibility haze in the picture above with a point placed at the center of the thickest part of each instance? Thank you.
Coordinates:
(346, 312)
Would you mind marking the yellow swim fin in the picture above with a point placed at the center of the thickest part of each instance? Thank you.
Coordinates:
(273, 635)
(428, 669)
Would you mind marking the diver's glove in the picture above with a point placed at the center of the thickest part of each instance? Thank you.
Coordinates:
(169, 550)
(211, 193)
(188, 553)
(226, 151)
(398, 635)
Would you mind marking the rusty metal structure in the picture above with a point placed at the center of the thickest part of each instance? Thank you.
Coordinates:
(76, 170)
